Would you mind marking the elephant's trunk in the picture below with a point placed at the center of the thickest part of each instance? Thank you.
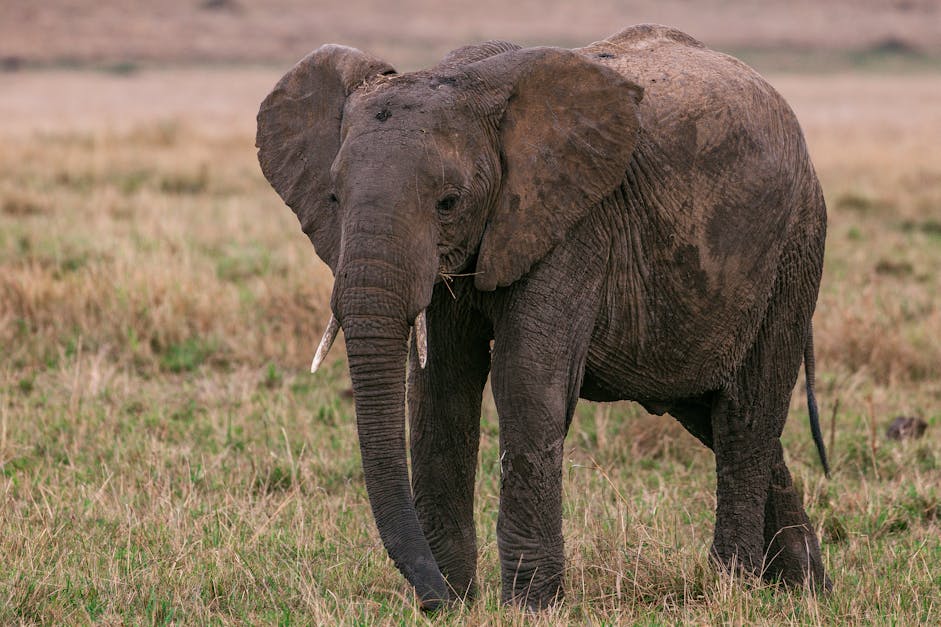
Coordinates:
(376, 322)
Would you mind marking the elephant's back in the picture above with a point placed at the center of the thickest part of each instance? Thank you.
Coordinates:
(642, 36)
(696, 98)
(668, 62)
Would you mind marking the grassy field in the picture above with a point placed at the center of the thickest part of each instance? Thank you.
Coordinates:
(165, 457)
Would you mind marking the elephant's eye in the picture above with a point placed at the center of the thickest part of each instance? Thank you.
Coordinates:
(448, 203)
(334, 199)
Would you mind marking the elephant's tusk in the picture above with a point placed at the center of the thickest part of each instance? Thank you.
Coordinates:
(421, 338)
(329, 335)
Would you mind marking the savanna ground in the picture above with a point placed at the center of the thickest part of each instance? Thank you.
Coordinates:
(166, 458)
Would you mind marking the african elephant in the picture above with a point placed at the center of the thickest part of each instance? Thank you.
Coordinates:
(637, 219)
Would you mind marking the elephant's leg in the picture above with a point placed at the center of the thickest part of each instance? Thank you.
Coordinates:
(542, 331)
(444, 416)
(788, 548)
(760, 521)
(538, 367)
(743, 474)
(535, 395)
(792, 552)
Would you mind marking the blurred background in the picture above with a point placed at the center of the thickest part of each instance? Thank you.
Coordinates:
(127, 39)
(159, 307)
(146, 113)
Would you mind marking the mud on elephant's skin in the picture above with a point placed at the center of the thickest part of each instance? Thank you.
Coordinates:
(638, 219)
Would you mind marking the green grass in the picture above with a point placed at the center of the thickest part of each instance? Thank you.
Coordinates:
(234, 497)
(186, 356)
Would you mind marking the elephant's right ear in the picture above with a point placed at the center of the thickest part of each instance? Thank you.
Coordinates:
(299, 136)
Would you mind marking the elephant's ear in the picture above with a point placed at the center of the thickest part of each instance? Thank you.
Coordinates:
(568, 129)
(299, 136)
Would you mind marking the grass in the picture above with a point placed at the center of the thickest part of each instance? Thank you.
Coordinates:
(165, 458)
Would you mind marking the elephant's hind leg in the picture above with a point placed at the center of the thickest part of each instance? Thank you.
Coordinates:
(761, 524)
(444, 417)
(742, 450)
(792, 553)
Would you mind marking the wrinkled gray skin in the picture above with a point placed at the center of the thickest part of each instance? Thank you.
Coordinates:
(639, 219)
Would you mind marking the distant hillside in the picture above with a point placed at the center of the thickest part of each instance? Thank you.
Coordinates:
(124, 33)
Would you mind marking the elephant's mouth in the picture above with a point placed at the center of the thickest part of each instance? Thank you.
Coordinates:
(419, 332)
(455, 264)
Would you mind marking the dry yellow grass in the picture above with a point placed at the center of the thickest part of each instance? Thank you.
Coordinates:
(165, 458)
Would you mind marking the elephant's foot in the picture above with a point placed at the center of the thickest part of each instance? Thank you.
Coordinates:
(792, 552)
(462, 582)
(454, 547)
(736, 555)
(533, 585)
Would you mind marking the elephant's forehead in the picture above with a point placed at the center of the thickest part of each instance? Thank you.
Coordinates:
(404, 102)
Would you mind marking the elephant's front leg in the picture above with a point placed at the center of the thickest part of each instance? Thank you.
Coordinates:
(444, 417)
(529, 527)
(537, 372)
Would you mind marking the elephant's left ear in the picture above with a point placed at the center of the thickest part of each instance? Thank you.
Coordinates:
(568, 129)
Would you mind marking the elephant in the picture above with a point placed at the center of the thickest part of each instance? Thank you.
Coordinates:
(638, 219)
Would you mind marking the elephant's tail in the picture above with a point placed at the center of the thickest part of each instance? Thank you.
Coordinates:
(812, 401)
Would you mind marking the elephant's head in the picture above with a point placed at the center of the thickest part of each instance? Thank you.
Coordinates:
(481, 164)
